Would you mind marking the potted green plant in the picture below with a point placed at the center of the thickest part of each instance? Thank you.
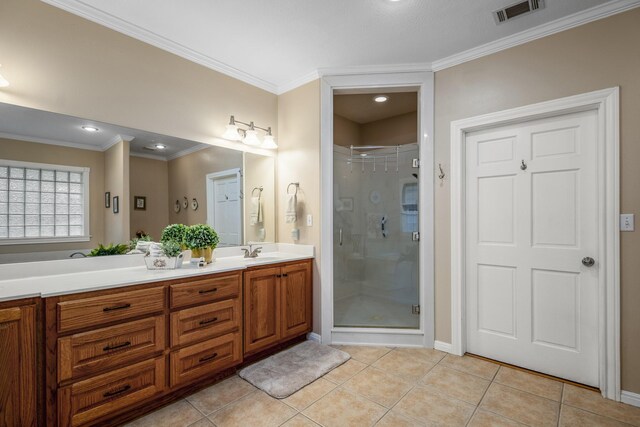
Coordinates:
(202, 240)
(164, 256)
(112, 249)
(174, 232)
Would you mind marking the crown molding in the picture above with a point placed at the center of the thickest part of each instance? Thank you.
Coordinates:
(300, 81)
(79, 8)
(50, 142)
(375, 69)
(571, 21)
(116, 139)
(147, 156)
(188, 151)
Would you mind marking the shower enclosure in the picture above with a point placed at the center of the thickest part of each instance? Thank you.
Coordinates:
(375, 225)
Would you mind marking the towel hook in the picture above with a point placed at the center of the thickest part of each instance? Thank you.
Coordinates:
(296, 185)
(259, 191)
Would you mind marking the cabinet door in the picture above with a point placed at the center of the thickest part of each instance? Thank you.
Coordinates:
(261, 309)
(17, 366)
(295, 291)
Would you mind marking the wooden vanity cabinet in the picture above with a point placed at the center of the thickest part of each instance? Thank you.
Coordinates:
(114, 354)
(18, 367)
(277, 304)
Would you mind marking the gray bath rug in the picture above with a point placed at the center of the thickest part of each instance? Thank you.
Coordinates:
(284, 373)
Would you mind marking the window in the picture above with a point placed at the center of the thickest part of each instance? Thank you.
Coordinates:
(42, 203)
(409, 207)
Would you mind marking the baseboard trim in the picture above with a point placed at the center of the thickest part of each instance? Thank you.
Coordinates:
(442, 346)
(630, 398)
(312, 336)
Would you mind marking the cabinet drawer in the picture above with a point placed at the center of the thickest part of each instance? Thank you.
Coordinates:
(86, 401)
(205, 358)
(89, 352)
(94, 311)
(205, 321)
(205, 290)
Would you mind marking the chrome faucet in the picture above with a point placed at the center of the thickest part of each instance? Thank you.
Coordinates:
(252, 253)
(77, 253)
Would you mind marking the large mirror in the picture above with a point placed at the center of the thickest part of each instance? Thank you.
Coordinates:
(68, 184)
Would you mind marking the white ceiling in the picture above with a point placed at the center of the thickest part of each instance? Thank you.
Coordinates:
(51, 128)
(277, 44)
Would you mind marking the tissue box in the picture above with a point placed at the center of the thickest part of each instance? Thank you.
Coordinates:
(163, 262)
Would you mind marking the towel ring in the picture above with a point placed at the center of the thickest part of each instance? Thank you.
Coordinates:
(295, 184)
(254, 191)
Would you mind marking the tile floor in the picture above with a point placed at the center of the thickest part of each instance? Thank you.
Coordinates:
(401, 387)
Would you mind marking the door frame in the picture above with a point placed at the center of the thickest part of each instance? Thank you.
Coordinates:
(423, 82)
(211, 189)
(606, 103)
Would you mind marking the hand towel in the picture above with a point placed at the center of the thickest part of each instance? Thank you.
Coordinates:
(290, 215)
(256, 211)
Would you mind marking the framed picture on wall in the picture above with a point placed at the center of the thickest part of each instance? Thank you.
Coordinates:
(116, 204)
(140, 203)
(107, 199)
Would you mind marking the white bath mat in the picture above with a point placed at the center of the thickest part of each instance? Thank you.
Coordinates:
(284, 373)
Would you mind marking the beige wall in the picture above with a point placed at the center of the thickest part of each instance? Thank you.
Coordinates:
(397, 130)
(116, 182)
(595, 56)
(149, 178)
(187, 178)
(53, 154)
(345, 132)
(260, 171)
(299, 161)
(59, 62)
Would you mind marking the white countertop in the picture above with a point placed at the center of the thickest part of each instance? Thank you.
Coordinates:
(48, 285)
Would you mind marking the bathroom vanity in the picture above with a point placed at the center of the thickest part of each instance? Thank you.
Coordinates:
(103, 353)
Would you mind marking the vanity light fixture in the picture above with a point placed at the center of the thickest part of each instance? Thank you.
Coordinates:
(90, 128)
(381, 98)
(160, 146)
(250, 135)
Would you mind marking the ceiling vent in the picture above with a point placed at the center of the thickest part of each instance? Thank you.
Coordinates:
(518, 9)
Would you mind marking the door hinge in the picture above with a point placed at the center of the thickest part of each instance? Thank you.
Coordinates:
(416, 163)
(415, 236)
(415, 309)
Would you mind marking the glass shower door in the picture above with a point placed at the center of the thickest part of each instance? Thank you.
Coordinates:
(375, 251)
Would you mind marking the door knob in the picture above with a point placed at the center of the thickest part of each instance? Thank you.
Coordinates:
(588, 261)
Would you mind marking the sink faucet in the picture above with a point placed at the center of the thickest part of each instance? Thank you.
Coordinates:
(252, 253)
(77, 253)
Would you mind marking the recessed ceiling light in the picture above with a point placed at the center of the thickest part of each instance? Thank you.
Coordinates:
(90, 128)
(160, 146)
(381, 98)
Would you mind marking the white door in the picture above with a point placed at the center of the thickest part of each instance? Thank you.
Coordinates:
(227, 210)
(531, 218)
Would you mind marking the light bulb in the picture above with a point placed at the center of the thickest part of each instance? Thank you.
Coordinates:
(251, 138)
(269, 142)
(231, 133)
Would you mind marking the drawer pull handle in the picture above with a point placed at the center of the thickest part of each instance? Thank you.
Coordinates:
(118, 391)
(117, 346)
(206, 322)
(208, 291)
(116, 307)
(207, 358)
(285, 275)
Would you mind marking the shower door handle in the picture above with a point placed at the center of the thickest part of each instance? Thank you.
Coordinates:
(340, 237)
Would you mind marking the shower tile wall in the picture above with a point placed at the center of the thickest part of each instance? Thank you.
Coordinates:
(369, 266)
